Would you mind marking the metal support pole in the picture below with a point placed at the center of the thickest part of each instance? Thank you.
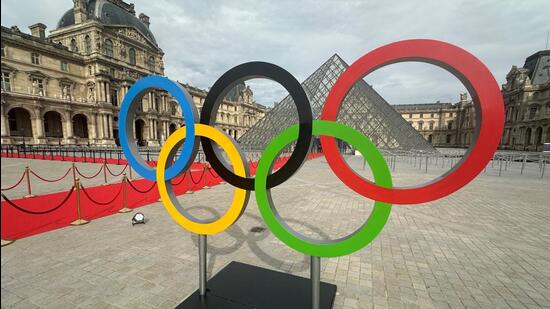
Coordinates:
(427, 158)
(500, 166)
(28, 176)
(202, 265)
(523, 163)
(543, 168)
(315, 275)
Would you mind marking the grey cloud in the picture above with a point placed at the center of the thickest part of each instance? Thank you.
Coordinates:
(203, 39)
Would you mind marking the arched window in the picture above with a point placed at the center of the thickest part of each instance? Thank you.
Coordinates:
(132, 56)
(109, 48)
(88, 44)
(74, 46)
(151, 63)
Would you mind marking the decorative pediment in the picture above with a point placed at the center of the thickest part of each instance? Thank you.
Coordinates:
(8, 68)
(66, 81)
(133, 34)
(37, 74)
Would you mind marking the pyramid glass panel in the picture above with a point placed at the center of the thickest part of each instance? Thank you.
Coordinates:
(363, 109)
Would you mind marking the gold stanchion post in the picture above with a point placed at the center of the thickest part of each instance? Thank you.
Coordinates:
(124, 208)
(206, 178)
(104, 173)
(78, 221)
(28, 175)
(74, 172)
(188, 182)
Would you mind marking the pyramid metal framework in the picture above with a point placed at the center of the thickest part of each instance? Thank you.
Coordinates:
(363, 109)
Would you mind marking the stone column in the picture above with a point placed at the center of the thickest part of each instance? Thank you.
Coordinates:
(4, 121)
(105, 126)
(99, 125)
(98, 91)
(108, 92)
(69, 125)
(39, 124)
(110, 125)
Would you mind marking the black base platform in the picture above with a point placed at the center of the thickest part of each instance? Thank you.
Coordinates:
(243, 286)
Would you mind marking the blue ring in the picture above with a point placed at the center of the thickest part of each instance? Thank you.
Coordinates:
(137, 91)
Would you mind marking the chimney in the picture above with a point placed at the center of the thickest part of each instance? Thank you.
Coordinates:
(144, 19)
(38, 30)
(79, 11)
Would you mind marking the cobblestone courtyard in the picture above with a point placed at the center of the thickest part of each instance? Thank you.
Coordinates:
(486, 246)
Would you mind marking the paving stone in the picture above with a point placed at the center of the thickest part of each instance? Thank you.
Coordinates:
(486, 246)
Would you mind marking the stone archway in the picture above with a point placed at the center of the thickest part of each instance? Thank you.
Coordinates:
(172, 128)
(19, 122)
(527, 137)
(538, 138)
(80, 126)
(139, 127)
(547, 138)
(53, 126)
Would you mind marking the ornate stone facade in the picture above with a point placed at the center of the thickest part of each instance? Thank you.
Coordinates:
(67, 88)
(527, 100)
(442, 124)
(527, 115)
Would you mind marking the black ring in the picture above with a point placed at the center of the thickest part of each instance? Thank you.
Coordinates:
(218, 92)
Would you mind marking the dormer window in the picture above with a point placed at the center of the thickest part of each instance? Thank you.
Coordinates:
(88, 44)
(108, 48)
(35, 58)
(132, 56)
(151, 63)
(74, 46)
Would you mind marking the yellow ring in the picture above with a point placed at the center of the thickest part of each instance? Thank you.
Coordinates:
(240, 197)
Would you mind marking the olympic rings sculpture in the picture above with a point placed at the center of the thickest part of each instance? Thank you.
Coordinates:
(466, 67)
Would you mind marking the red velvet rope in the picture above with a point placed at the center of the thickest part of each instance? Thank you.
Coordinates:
(115, 175)
(51, 180)
(32, 212)
(88, 177)
(15, 185)
(141, 191)
(102, 203)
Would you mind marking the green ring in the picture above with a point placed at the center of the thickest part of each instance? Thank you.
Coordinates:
(332, 248)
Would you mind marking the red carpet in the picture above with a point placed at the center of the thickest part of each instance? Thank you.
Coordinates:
(45, 213)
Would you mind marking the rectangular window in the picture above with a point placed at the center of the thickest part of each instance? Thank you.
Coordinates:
(35, 58)
(114, 97)
(532, 112)
(6, 85)
(38, 86)
(421, 115)
(410, 115)
(64, 66)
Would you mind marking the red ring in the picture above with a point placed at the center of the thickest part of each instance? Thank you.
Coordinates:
(489, 123)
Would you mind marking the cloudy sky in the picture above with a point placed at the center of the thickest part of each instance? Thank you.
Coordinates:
(203, 39)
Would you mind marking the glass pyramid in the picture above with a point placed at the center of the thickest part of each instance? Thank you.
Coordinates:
(363, 109)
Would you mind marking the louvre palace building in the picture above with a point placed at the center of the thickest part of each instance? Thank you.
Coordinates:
(526, 96)
(67, 87)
